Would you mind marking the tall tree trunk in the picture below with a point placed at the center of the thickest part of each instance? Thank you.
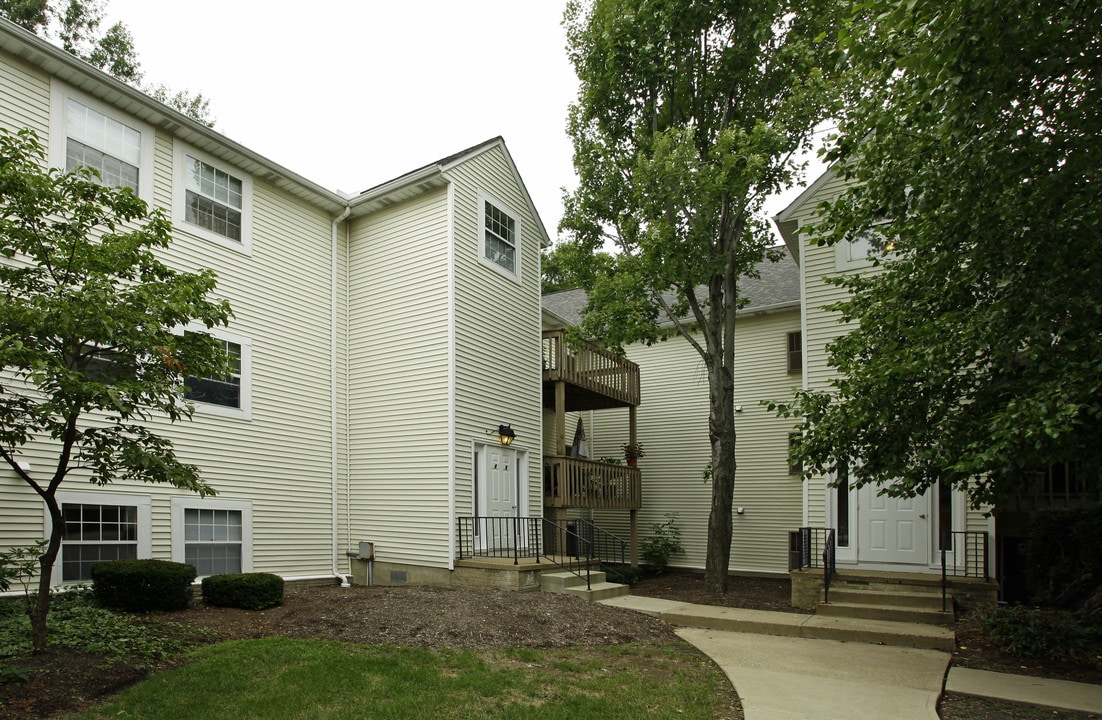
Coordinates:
(721, 432)
(41, 607)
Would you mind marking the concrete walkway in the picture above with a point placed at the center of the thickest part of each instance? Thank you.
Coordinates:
(783, 669)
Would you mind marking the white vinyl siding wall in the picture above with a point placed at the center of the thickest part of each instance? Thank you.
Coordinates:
(280, 459)
(673, 427)
(497, 326)
(398, 380)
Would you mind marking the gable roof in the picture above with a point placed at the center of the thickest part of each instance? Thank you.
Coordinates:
(785, 220)
(777, 287)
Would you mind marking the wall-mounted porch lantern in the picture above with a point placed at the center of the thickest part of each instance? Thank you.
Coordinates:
(505, 434)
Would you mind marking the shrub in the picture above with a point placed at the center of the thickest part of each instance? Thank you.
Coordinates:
(248, 591)
(665, 541)
(142, 585)
(1064, 555)
(1031, 632)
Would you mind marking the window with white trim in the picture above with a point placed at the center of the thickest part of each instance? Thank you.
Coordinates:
(88, 133)
(215, 536)
(499, 239)
(212, 200)
(229, 395)
(863, 248)
(100, 527)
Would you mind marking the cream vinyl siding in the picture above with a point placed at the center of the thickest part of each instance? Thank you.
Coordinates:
(673, 427)
(497, 327)
(821, 326)
(279, 460)
(398, 380)
(24, 98)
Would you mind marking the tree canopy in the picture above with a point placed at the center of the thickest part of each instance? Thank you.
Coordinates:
(76, 25)
(90, 338)
(972, 128)
(689, 115)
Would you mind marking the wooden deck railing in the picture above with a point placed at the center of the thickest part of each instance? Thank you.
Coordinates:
(576, 483)
(590, 367)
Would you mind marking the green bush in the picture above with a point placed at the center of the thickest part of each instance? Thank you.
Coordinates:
(142, 585)
(1064, 555)
(248, 591)
(1048, 635)
(665, 541)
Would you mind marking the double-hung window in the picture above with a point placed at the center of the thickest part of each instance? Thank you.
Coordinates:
(499, 239)
(87, 133)
(229, 395)
(212, 200)
(100, 527)
(213, 535)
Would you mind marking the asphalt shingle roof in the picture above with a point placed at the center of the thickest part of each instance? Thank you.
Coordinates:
(779, 284)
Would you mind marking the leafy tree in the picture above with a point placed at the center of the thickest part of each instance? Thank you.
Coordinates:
(76, 23)
(562, 268)
(688, 116)
(87, 341)
(30, 15)
(195, 106)
(976, 354)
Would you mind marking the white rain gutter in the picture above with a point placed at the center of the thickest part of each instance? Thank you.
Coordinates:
(333, 445)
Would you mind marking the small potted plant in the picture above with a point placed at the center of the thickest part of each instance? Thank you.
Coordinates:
(632, 452)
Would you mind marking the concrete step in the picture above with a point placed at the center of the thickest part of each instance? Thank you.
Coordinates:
(894, 613)
(598, 591)
(560, 581)
(877, 632)
(894, 597)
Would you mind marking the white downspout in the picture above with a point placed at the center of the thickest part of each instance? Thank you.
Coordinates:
(333, 425)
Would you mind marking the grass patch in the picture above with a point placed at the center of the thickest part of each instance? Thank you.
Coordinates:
(278, 678)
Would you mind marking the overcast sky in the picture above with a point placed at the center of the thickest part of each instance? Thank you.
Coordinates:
(352, 93)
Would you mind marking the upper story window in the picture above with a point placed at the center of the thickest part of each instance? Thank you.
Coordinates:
(795, 352)
(212, 201)
(230, 395)
(863, 249)
(87, 133)
(499, 240)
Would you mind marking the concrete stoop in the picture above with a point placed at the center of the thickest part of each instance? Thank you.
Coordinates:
(763, 622)
(570, 584)
(893, 603)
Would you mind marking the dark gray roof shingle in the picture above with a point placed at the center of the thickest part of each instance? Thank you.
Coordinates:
(779, 284)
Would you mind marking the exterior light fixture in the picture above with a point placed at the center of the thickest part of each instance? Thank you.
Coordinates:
(505, 434)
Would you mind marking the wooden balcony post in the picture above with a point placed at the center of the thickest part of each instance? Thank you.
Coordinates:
(633, 539)
(560, 418)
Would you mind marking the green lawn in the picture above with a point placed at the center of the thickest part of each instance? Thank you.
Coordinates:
(282, 678)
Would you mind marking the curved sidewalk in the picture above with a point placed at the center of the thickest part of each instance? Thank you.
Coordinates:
(781, 676)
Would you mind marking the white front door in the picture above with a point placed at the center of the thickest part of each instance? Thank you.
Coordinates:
(893, 530)
(497, 501)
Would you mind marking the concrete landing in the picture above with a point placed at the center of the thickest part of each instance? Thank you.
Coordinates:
(1062, 694)
(791, 678)
(875, 632)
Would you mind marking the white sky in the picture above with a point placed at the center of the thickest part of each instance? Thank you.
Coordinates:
(350, 94)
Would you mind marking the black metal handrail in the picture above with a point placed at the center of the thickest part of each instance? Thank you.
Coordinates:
(812, 547)
(964, 553)
(577, 545)
(499, 537)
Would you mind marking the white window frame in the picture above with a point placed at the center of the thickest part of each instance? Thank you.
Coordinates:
(141, 502)
(245, 411)
(59, 95)
(245, 507)
(858, 252)
(480, 215)
(181, 152)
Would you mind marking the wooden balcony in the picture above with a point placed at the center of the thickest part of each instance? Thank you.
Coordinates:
(576, 483)
(594, 379)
